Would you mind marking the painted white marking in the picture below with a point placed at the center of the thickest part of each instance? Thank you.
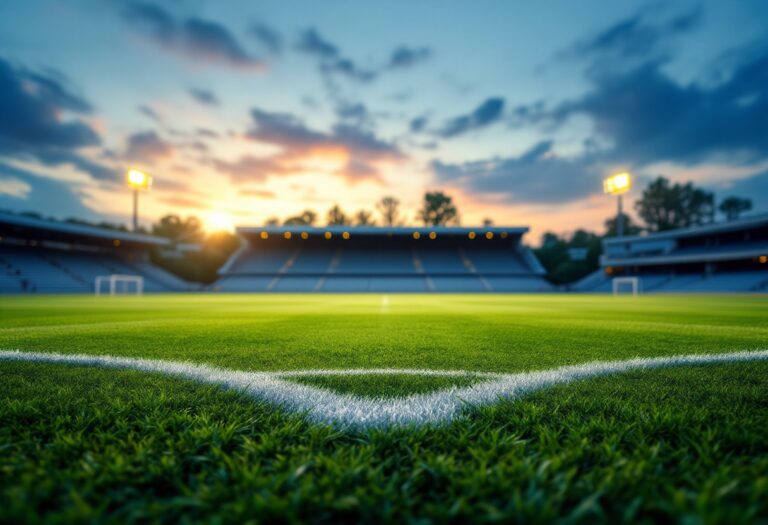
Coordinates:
(346, 410)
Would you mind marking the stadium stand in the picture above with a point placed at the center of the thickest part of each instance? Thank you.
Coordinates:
(371, 259)
(42, 256)
(721, 257)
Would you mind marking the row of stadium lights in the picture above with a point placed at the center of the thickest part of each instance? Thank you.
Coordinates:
(416, 235)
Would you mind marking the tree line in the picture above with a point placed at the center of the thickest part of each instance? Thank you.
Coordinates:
(662, 206)
(437, 209)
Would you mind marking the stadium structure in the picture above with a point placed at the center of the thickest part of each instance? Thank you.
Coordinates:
(42, 256)
(721, 257)
(376, 259)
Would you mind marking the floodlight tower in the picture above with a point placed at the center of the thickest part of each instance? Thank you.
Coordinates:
(137, 180)
(618, 184)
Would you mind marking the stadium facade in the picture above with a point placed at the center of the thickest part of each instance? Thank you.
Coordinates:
(721, 257)
(42, 256)
(380, 259)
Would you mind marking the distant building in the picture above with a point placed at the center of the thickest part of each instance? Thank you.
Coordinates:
(44, 256)
(722, 257)
(375, 259)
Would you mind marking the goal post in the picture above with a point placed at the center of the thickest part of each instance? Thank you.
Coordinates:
(620, 283)
(119, 284)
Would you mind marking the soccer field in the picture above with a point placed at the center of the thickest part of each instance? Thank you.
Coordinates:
(679, 442)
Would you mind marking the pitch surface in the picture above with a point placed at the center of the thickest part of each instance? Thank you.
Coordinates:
(118, 445)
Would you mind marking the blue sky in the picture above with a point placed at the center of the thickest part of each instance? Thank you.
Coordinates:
(517, 109)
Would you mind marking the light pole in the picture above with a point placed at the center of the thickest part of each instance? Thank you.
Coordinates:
(137, 180)
(618, 184)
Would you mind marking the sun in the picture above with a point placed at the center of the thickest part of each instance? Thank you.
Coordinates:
(219, 221)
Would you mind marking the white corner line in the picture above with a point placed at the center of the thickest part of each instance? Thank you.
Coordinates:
(350, 411)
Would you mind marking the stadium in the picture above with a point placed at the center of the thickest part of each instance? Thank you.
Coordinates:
(549, 305)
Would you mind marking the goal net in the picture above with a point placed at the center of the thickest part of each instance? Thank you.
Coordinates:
(119, 284)
(626, 284)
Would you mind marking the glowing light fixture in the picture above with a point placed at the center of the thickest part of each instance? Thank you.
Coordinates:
(345, 235)
(472, 235)
(327, 235)
(416, 235)
(432, 235)
(763, 259)
(304, 235)
(137, 180)
(489, 235)
(264, 235)
(618, 184)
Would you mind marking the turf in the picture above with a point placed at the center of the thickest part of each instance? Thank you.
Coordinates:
(386, 386)
(683, 444)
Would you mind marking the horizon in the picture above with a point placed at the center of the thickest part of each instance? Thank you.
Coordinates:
(252, 112)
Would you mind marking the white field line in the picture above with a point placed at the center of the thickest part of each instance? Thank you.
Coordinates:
(346, 410)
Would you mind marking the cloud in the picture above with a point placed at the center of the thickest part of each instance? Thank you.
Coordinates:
(358, 150)
(252, 169)
(634, 37)
(33, 108)
(147, 146)
(40, 121)
(149, 113)
(193, 38)
(268, 37)
(258, 193)
(488, 112)
(418, 124)
(754, 187)
(649, 117)
(333, 61)
(204, 96)
(330, 58)
(44, 195)
(406, 57)
(536, 176)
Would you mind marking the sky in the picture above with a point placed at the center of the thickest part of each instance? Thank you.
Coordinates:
(253, 110)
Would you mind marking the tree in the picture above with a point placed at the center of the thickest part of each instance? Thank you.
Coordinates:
(306, 218)
(364, 218)
(487, 223)
(180, 230)
(557, 255)
(732, 207)
(336, 217)
(666, 206)
(438, 209)
(272, 221)
(630, 228)
(389, 209)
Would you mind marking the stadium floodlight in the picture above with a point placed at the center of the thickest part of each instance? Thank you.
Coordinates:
(138, 181)
(618, 184)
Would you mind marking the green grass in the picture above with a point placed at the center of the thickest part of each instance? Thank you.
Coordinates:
(673, 445)
(386, 385)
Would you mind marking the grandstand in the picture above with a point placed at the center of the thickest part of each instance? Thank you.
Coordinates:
(42, 256)
(373, 259)
(722, 257)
